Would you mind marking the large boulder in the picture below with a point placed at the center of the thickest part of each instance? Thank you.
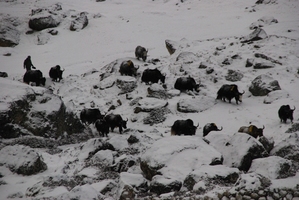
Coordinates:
(176, 156)
(197, 104)
(9, 34)
(257, 34)
(43, 22)
(80, 22)
(273, 167)
(252, 182)
(276, 95)
(149, 104)
(238, 150)
(157, 91)
(22, 160)
(126, 84)
(161, 185)
(29, 110)
(263, 84)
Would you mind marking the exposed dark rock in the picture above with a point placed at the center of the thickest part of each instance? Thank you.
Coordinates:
(294, 128)
(249, 62)
(257, 34)
(263, 22)
(263, 65)
(263, 56)
(267, 143)
(80, 22)
(127, 193)
(227, 61)
(41, 23)
(233, 75)
(203, 65)
(156, 116)
(132, 139)
(209, 70)
(265, 2)
(3, 74)
(263, 84)
(9, 35)
(161, 185)
(171, 46)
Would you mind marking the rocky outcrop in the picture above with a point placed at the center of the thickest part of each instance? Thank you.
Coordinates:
(263, 84)
(233, 75)
(80, 22)
(9, 35)
(257, 34)
(44, 22)
(126, 84)
(22, 160)
(198, 104)
(171, 46)
(157, 91)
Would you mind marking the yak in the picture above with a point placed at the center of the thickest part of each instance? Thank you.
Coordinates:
(153, 76)
(186, 83)
(116, 121)
(35, 76)
(285, 112)
(252, 130)
(56, 73)
(210, 127)
(90, 115)
(228, 92)
(183, 127)
(141, 52)
(127, 68)
(102, 127)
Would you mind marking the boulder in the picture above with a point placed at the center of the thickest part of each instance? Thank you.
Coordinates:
(249, 62)
(9, 35)
(103, 158)
(288, 148)
(171, 46)
(257, 34)
(264, 21)
(238, 150)
(252, 182)
(44, 22)
(22, 160)
(276, 95)
(294, 128)
(81, 192)
(220, 174)
(156, 116)
(176, 156)
(43, 38)
(268, 143)
(263, 65)
(80, 22)
(3, 74)
(197, 104)
(149, 104)
(157, 91)
(263, 85)
(273, 167)
(136, 181)
(126, 84)
(186, 57)
(107, 83)
(161, 185)
(233, 75)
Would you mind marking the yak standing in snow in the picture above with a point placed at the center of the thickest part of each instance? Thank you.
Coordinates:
(210, 127)
(183, 127)
(228, 92)
(127, 68)
(153, 76)
(141, 52)
(35, 76)
(285, 112)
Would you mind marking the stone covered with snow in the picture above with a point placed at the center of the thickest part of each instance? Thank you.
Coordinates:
(9, 34)
(275, 95)
(171, 46)
(149, 104)
(238, 150)
(135, 180)
(161, 185)
(252, 182)
(126, 83)
(43, 22)
(198, 104)
(264, 21)
(186, 57)
(233, 75)
(22, 160)
(257, 34)
(103, 157)
(263, 85)
(157, 91)
(80, 22)
(168, 157)
(273, 167)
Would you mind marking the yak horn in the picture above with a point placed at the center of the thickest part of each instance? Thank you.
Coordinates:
(220, 129)
(263, 127)
(127, 120)
(294, 108)
(63, 70)
(243, 92)
(197, 125)
(137, 67)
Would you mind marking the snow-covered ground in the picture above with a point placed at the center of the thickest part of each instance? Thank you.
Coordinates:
(196, 26)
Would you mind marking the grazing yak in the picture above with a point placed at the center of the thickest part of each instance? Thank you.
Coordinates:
(152, 75)
(186, 83)
(252, 130)
(102, 127)
(285, 112)
(90, 115)
(35, 76)
(228, 92)
(116, 121)
(141, 52)
(183, 127)
(127, 68)
(55, 73)
(210, 127)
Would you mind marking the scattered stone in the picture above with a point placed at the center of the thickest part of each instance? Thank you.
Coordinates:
(3, 74)
(263, 22)
(171, 46)
(233, 75)
(294, 128)
(263, 65)
(263, 85)
(263, 56)
(53, 32)
(209, 70)
(132, 139)
(265, 2)
(257, 34)
(80, 22)
(199, 104)
(227, 61)
(203, 65)
(219, 48)
(249, 62)
(186, 57)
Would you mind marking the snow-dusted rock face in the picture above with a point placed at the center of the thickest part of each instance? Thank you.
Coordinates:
(257, 34)
(233, 75)
(275, 95)
(80, 22)
(157, 91)
(273, 167)
(252, 182)
(44, 22)
(34, 110)
(161, 185)
(168, 160)
(198, 104)
(238, 150)
(171, 46)
(263, 84)
(186, 58)
(264, 21)
(22, 160)
(9, 35)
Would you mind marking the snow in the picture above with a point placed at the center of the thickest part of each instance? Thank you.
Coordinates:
(195, 26)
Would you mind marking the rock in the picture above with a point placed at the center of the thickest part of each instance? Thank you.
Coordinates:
(263, 85)
(126, 84)
(220, 48)
(257, 34)
(276, 95)
(41, 23)
(266, 20)
(273, 167)
(134, 180)
(209, 70)
(161, 185)
(267, 143)
(43, 38)
(34, 111)
(265, 2)
(9, 35)
(132, 139)
(22, 160)
(80, 22)
(53, 32)
(126, 192)
(173, 93)
(233, 75)
(203, 65)
(198, 104)
(149, 104)
(252, 182)
(249, 62)
(103, 158)
(288, 148)
(156, 116)
(157, 91)
(186, 57)
(238, 150)
(263, 65)
(227, 61)
(294, 128)
(219, 174)
(3, 74)
(171, 46)
(263, 56)
(123, 163)
(161, 157)
(82, 192)
(107, 83)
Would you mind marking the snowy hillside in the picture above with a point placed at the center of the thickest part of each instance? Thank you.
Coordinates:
(50, 154)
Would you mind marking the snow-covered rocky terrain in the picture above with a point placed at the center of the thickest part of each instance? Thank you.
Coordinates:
(46, 152)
